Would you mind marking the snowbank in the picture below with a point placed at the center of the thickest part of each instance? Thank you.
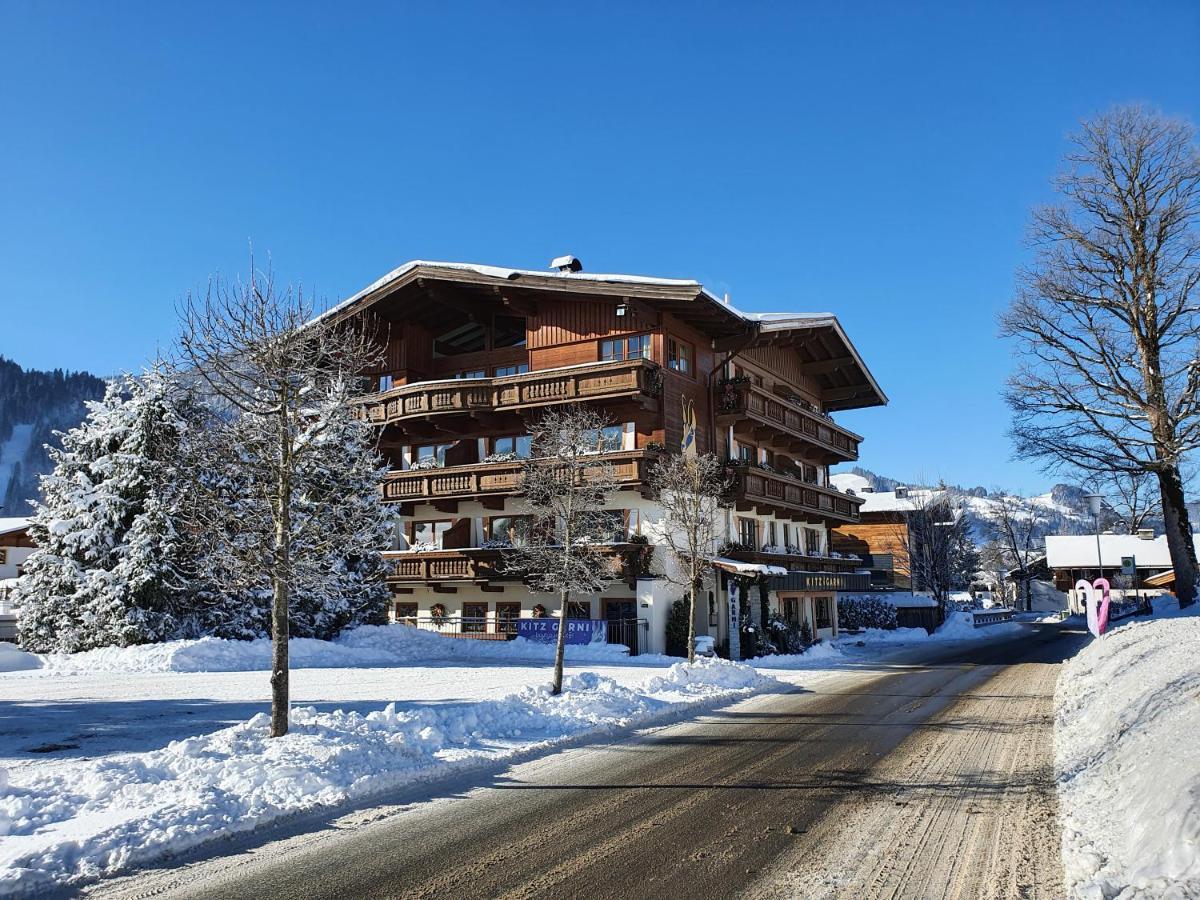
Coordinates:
(88, 818)
(1127, 715)
(369, 646)
(14, 660)
(960, 626)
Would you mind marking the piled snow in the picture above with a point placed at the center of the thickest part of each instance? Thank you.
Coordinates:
(14, 660)
(372, 645)
(1127, 714)
(84, 819)
(960, 626)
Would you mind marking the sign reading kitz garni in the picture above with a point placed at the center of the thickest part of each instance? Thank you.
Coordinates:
(579, 631)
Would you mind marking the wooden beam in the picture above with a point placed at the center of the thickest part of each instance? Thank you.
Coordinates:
(446, 506)
(444, 588)
(846, 393)
(492, 502)
(828, 365)
(488, 588)
(402, 590)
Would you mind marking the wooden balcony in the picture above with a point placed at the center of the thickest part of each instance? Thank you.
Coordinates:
(784, 422)
(480, 565)
(792, 498)
(496, 479)
(637, 379)
(796, 562)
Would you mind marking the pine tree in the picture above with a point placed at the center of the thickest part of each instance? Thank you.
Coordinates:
(109, 568)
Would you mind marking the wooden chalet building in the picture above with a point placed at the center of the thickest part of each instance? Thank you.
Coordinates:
(473, 353)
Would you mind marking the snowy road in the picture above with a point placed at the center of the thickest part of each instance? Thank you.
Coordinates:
(932, 778)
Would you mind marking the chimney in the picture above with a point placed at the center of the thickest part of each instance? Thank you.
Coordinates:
(566, 264)
(727, 298)
(1146, 534)
(901, 492)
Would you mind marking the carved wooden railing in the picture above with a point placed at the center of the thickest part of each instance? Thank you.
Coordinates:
(796, 562)
(750, 401)
(594, 381)
(487, 564)
(630, 468)
(754, 485)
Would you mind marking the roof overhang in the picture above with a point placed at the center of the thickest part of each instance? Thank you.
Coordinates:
(828, 354)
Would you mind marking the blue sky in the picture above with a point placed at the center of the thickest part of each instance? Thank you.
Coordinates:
(874, 160)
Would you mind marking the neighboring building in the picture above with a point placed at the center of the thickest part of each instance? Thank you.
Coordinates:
(881, 535)
(15, 547)
(473, 353)
(1074, 557)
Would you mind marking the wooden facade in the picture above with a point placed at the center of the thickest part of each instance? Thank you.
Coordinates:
(470, 356)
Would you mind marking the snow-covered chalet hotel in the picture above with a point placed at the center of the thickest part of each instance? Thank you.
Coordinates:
(474, 352)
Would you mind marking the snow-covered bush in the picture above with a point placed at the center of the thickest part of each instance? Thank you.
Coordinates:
(865, 612)
(429, 462)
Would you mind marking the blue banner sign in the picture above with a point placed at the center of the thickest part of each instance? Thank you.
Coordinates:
(579, 631)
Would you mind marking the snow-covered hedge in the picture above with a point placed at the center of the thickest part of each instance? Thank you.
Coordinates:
(866, 612)
(1127, 717)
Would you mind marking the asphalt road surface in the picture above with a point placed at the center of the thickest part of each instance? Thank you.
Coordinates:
(932, 777)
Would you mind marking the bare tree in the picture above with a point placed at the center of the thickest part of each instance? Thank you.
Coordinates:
(689, 490)
(935, 545)
(261, 353)
(565, 486)
(1015, 528)
(1107, 318)
(1131, 499)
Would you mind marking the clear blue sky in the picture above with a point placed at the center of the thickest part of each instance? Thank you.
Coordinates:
(875, 160)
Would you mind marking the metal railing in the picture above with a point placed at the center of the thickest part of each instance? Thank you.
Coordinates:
(631, 633)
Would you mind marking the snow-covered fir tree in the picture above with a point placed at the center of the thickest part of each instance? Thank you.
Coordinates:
(339, 525)
(110, 568)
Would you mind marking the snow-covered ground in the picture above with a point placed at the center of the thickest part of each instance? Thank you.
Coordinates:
(1127, 721)
(111, 758)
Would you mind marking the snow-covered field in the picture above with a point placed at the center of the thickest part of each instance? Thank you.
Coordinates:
(1127, 722)
(111, 758)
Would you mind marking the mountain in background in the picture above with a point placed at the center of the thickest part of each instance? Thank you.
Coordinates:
(1061, 510)
(33, 405)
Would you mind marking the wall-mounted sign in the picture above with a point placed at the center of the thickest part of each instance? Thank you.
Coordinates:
(579, 631)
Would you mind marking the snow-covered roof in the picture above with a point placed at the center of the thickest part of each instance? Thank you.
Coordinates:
(883, 501)
(766, 322)
(1078, 551)
(8, 526)
(743, 568)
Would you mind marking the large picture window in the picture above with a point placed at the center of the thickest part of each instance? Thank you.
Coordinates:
(748, 532)
(824, 612)
(634, 347)
(520, 369)
(430, 533)
(517, 444)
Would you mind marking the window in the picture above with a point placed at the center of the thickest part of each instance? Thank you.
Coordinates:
(635, 347)
(507, 614)
(520, 369)
(748, 532)
(511, 530)
(429, 456)
(470, 337)
(768, 457)
(771, 533)
(608, 438)
(808, 473)
(579, 609)
(712, 610)
(679, 356)
(791, 610)
(406, 613)
(472, 373)
(812, 541)
(746, 452)
(633, 521)
(519, 444)
(386, 382)
(430, 533)
(474, 618)
(610, 525)
(824, 612)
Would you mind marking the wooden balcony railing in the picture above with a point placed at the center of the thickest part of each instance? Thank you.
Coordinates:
(747, 401)
(594, 381)
(631, 468)
(760, 487)
(487, 564)
(796, 562)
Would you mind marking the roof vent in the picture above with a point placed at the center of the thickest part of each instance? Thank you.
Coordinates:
(1146, 534)
(566, 264)
(901, 492)
(867, 489)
